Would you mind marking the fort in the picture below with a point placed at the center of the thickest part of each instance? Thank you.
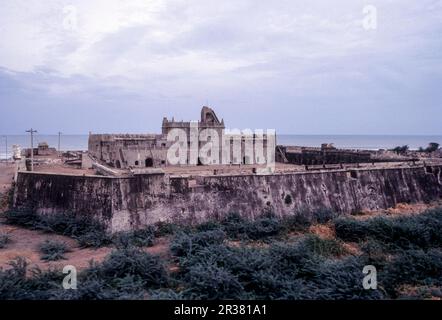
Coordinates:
(127, 182)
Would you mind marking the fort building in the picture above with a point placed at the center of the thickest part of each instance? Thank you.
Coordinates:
(131, 151)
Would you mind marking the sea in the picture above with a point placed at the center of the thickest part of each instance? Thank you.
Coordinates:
(366, 142)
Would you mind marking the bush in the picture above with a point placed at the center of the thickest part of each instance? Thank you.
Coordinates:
(88, 231)
(234, 225)
(163, 229)
(300, 221)
(4, 240)
(323, 247)
(323, 215)
(39, 285)
(165, 294)
(209, 226)
(133, 262)
(294, 260)
(401, 149)
(22, 217)
(413, 267)
(420, 231)
(53, 250)
(263, 228)
(139, 238)
(303, 219)
(238, 228)
(210, 282)
(342, 280)
(184, 244)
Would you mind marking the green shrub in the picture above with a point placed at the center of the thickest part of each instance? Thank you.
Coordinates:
(342, 280)
(234, 225)
(134, 262)
(294, 260)
(22, 217)
(139, 238)
(300, 221)
(323, 215)
(210, 282)
(209, 226)
(323, 247)
(5, 239)
(165, 294)
(13, 280)
(164, 228)
(419, 231)
(238, 228)
(87, 230)
(413, 267)
(186, 244)
(38, 285)
(53, 250)
(263, 228)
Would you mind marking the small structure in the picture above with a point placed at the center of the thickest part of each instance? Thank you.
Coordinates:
(16, 152)
(327, 154)
(42, 149)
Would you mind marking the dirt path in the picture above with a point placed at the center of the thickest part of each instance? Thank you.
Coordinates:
(25, 243)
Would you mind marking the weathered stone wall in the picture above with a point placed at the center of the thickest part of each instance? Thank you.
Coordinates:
(53, 193)
(129, 203)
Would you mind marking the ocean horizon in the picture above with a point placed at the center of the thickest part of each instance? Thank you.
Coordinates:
(367, 142)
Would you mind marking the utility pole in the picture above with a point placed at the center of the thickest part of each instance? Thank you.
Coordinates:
(32, 131)
(6, 147)
(59, 138)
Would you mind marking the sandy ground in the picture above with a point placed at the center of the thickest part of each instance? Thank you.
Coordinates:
(6, 175)
(25, 243)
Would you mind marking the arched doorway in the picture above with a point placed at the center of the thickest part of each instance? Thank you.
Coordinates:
(149, 162)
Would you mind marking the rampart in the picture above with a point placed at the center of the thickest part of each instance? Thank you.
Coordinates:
(126, 203)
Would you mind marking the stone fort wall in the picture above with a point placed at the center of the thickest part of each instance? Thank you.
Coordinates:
(127, 203)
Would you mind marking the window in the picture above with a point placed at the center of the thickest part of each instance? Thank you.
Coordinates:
(148, 162)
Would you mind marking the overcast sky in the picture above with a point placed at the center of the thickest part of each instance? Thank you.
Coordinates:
(302, 67)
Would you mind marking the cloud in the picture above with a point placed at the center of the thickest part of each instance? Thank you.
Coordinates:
(231, 52)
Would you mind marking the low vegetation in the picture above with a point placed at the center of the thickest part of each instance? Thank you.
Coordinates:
(53, 250)
(413, 232)
(269, 258)
(87, 231)
(432, 147)
(5, 239)
(401, 149)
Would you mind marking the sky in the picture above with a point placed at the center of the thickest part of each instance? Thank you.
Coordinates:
(300, 67)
